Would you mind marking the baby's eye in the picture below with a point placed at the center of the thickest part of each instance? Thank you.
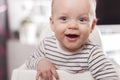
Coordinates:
(83, 19)
(63, 18)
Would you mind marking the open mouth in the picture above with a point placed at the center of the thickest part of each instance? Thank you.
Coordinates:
(72, 35)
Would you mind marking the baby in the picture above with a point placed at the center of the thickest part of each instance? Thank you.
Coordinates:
(70, 49)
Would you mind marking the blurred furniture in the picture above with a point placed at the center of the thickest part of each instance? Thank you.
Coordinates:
(22, 73)
(31, 74)
(17, 53)
(3, 38)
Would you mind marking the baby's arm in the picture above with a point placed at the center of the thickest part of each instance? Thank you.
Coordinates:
(37, 61)
(45, 70)
(101, 67)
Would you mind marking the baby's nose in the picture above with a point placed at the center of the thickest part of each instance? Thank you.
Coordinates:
(73, 24)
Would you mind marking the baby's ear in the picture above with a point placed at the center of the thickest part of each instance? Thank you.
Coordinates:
(93, 25)
(52, 23)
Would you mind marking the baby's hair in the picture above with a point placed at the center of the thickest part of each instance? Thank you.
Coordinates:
(92, 4)
(93, 8)
(52, 6)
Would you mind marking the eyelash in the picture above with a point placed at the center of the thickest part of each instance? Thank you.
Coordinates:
(63, 18)
(83, 19)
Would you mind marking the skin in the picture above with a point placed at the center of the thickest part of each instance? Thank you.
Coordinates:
(71, 21)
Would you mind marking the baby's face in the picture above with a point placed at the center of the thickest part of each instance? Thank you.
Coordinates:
(71, 23)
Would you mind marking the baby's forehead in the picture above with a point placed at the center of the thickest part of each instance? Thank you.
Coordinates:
(91, 3)
(70, 4)
(58, 2)
(54, 1)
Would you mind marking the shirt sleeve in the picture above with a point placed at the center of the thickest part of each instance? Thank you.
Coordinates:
(33, 60)
(100, 66)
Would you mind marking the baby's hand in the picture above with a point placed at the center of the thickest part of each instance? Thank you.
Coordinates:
(45, 70)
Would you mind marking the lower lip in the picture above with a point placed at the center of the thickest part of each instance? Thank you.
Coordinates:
(71, 39)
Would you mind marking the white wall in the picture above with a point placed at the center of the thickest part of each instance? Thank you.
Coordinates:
(17, 10)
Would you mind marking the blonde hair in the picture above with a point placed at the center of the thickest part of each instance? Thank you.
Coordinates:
(93, 8)
(92, 5)
(52, 6)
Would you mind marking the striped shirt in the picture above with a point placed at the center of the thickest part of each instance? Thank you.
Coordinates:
(89, 57)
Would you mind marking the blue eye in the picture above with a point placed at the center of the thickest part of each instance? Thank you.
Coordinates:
(82, 19)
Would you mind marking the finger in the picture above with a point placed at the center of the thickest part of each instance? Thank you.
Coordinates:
(50, 75)
(55, 74)
(38, 75)
(45, 76)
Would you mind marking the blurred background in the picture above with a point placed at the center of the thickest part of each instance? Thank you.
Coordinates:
(21, 23)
